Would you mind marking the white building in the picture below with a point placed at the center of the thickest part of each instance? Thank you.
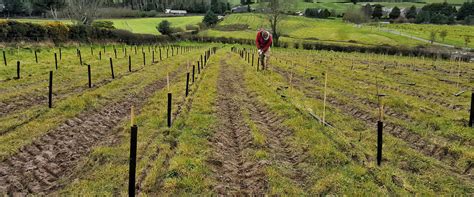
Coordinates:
(176, 12)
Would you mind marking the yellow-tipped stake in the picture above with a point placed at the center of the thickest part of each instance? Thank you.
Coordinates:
(168, 81)
(381, 112)
(132, 116)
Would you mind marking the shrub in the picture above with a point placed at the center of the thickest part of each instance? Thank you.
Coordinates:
(78, 32)
(469, 20)
(192, 27)
(355, 15)
(103, 24)
(232, 27)
(4, 28)
(165, 28)
(36, 32)
(466, 10)
(176, 30)
(210, 19)
(395, 13)
(57, 31)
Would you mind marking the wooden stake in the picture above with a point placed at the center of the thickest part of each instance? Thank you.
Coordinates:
(325, 96)
(132, 116)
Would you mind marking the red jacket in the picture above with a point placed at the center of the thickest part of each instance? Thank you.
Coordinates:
(263, 44)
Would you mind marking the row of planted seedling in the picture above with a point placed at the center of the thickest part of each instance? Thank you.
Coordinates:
(190, 77)
(249, 56)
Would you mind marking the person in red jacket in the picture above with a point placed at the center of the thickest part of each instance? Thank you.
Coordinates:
(264, 41)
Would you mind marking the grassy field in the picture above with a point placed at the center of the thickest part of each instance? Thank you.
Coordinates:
(299, 29)
(148, 25)
(455, 33)
(239, 131)
(340, 6)
(139, 25)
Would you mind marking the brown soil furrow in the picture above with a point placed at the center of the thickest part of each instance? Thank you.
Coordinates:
(34, 98)
(235, 172)
(415, 141)
(284, 154)
(61, 149)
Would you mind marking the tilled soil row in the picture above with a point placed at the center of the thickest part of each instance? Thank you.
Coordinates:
(415, 141)
(232, 140)
(183, 108)
(39, 97)
(41, 166)
(284, 155)
(33, 100)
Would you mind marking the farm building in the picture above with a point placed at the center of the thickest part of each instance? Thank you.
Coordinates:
(176, 12)
(240, 9)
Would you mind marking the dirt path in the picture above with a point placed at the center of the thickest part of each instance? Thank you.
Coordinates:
(235, 172)
(283, 154)
(43, 166)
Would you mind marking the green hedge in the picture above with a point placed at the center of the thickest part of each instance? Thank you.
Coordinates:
(14, 31)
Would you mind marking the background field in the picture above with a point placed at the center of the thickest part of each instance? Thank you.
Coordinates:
(299, 29)
(148, 25)
(137, 25)
(302, 29)
(455, 33)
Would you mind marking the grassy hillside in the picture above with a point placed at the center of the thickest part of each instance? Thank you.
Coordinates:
(138, 25)
(455, 33)
(148, 25)
(340, 6)
(301, 28)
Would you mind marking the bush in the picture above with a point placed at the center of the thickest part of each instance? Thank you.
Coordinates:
(78, 32)
(210, 19)
(176, 30)
(57, 31)
(165, 28)
(232, 27)
(17, 30)
(103, 24)
(469, 20)
(356, 16)
(192, 27)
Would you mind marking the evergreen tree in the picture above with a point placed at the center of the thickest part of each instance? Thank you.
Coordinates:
(395, 13)
(210, 19)
(378, 11)
(467, 9)
(367, 10)
(15, 7)
(411, 13)
(165, 28)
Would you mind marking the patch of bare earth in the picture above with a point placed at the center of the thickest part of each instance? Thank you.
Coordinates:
(48, 162)
(236, 173)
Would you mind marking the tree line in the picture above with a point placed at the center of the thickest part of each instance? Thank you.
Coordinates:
(52, 7)
(435, 13)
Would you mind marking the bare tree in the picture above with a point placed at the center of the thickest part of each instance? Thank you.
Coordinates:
(275, 11)
(83, 11)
